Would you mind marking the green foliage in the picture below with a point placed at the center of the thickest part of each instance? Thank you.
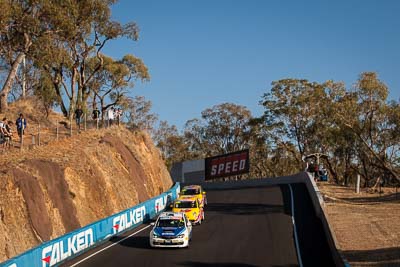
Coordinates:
(45, 92)
(172, 145)
(223, 128)
(356, 129)
(139, 115)
(66, 40)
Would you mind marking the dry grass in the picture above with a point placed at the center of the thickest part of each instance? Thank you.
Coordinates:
(367, 226)
(40, 129)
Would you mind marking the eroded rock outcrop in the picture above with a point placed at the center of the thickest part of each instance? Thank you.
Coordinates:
(54, 189)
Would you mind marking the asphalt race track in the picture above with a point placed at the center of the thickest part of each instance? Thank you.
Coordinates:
(246, 227)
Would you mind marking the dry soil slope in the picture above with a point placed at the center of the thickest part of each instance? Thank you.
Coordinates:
(53, 189)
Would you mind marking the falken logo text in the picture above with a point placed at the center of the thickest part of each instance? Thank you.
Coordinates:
(63, 249)
(161, 203)
(128, 219)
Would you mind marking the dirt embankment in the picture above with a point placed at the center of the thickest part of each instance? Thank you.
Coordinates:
(366, 225)
(53, 189)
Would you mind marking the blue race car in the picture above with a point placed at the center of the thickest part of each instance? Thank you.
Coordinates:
(172, 229)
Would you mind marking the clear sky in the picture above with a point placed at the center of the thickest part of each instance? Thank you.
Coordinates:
(206, 52)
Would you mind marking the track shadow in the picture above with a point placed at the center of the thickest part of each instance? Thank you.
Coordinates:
(379, 257)
(223, 264)
(133, 242)
(214, 264)
(235, 189)
(244, 208)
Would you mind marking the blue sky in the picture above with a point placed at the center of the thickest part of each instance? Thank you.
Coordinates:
(203, 53)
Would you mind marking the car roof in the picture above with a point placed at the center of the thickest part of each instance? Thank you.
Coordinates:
(171, 215)
(191, 187)
(186, 198)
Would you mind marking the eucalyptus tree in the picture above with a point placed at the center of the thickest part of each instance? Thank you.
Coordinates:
(366, 113)
(23, 25)
(74, 56)
(294, 114)
(171, 144)
(45, 92)
(111, 82)
(139, 114)
(263, 150)
(222, 129)
(193, 133)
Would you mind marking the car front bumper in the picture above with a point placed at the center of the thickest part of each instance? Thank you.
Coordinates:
(169, 243)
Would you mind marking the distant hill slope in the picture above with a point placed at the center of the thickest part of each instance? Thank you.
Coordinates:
(48, 190)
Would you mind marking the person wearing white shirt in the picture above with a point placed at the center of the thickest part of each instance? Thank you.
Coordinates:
(110, 115)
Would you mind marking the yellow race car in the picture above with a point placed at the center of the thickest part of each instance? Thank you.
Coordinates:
(196, 191)
(191, 207)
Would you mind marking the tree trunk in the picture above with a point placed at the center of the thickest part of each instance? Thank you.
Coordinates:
(73, 102)
(102, 108)
(333, 172)
(9, 82)
(60, 101)
(94, 103)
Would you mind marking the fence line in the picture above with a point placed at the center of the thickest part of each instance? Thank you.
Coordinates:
(44, 135)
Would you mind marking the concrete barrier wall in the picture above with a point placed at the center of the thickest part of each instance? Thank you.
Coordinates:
(312, 188)
(65, 247)
(191, 171)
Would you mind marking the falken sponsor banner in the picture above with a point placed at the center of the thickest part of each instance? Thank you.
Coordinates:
(53, 252)
(234, 163)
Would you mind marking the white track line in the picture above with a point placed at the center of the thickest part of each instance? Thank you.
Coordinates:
(294, 228)
(101, 250)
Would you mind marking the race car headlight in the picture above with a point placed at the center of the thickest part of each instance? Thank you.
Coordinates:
(181, 236)
(155, 235)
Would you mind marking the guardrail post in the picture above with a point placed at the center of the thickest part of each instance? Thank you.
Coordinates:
(358, 184)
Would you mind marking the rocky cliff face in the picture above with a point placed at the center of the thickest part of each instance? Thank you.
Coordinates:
(53, 189)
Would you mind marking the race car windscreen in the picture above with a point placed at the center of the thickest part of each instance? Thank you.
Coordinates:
(190, 192)
(170, 223)
(185, 205)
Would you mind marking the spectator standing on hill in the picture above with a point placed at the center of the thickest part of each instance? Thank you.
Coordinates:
(316, 172)
(118, 114)
(21, 125)
(78, 116)
(9, 139)
(96, 116)
(6, 133)
(2, 134)
(110, 115)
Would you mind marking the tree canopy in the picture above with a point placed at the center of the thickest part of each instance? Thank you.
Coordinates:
(64, 41)
(356, 128)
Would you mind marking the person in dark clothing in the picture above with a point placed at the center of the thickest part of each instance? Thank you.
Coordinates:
(316, 172)
(21, 125)
(78, 116)
(96, 116)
